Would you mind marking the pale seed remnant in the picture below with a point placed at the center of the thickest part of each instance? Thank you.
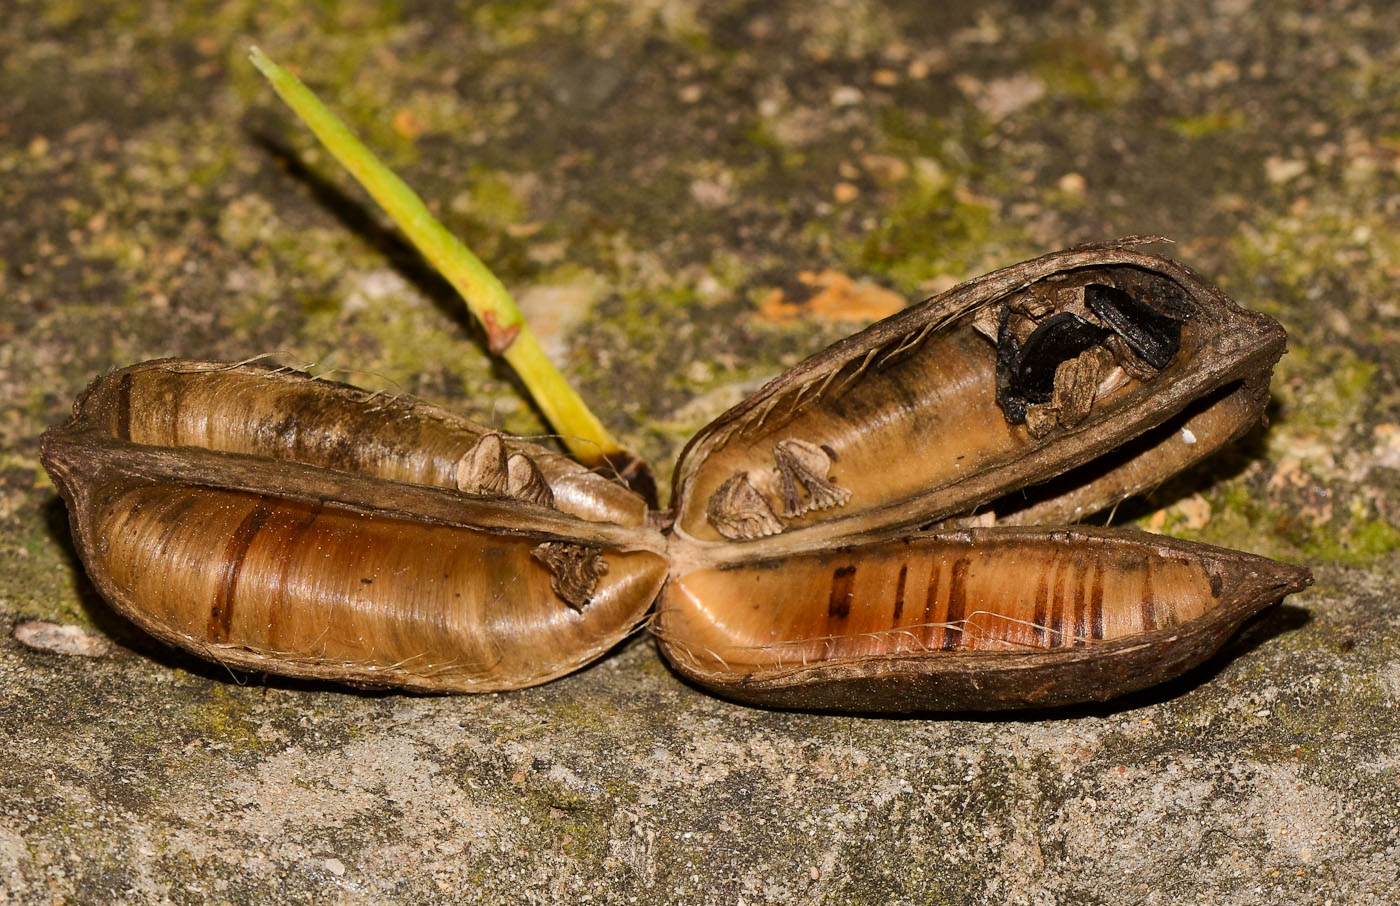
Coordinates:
(1077, 382)
(808, 466)
(987, 322)
(524, 481)
(1128, 360)
(1041, 420)
(482, 469)
(574, 570)
(738, 511)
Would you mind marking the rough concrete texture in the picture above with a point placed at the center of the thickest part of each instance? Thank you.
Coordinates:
(655, 179)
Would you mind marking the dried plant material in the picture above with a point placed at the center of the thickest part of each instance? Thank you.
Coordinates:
(738, 510)
(1077, 383)
(301, 553)
(932, 380)
(834, 296)
(1154, 336)
(574, 569)
(803, 469)
(1132, 365)
(1035, 395)
(978, 619)
(482, 469)
(1040, 420)
(861, 534)
(988, 322)
(524, 481)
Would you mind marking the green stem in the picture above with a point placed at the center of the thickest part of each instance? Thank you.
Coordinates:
(506, 331)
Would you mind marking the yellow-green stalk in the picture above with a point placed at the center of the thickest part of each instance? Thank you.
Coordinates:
(487, 298)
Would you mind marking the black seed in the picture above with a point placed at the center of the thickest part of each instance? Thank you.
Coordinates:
(1012, 405)
(1154, 336)
(1059, 337)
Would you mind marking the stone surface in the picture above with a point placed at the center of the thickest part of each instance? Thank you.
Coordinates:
(669, 165)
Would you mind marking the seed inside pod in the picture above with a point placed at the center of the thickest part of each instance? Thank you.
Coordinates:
(1057, 339)
(1155, 336)
(482, 469)
(738, 510)
(932, 415)
(574, 570)
(804, 472)
(524, 481)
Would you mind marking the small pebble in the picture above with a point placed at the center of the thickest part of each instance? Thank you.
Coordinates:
(56, 638)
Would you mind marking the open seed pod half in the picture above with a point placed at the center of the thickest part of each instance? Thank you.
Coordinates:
(275, 522)
(855, 536)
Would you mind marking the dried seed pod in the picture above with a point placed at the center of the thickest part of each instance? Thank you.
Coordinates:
(823, 552)
(277, 545)
(1036, 394)
(977, 619)
(930, 380)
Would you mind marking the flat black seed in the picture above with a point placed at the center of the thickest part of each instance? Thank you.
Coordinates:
(1012, 405)
(1059, 337)
(1154, 336)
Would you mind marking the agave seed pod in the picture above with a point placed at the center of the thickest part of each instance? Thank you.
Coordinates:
(839, 578)
(858, 535)
(274, 522)
(975, 619)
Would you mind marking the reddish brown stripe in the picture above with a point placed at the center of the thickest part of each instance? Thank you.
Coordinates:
(1149, 601)
(221, 611)
(171, 408)
(285, 557)
(843, 580)
(1096, 599)
(124, 408)
(1056, 618)
(172, 515)
(1042, 606)
(1081, 628)
(931, 603)
(899, 593)
(957, 605)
